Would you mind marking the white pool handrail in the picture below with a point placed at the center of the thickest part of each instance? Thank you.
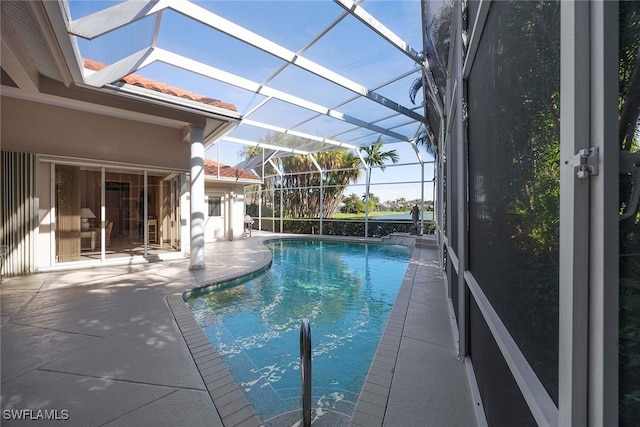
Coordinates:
(305, 371)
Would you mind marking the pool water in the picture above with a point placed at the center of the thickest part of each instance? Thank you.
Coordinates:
(346, 290)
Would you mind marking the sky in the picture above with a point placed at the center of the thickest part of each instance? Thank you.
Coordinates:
(347, 48)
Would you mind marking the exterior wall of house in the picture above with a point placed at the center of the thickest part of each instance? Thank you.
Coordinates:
(92, 141)
(185, 214)
(238, 212)
(228, 222)
(48, 129)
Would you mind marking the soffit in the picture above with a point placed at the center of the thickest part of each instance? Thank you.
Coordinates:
(20, 16)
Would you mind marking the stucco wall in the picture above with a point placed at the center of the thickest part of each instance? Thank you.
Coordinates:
(233, 210)
(46, 129)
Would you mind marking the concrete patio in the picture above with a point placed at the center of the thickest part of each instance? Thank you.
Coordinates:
(116, 346)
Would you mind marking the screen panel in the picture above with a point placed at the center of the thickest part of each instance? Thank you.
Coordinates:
(514, 176)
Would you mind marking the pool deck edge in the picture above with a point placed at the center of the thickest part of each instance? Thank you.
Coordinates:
(416, 378)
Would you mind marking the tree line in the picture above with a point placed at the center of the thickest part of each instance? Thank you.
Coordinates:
(295, 183)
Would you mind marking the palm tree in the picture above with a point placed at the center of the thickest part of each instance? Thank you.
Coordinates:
(342, 169)
(374, 156)
(300, 182)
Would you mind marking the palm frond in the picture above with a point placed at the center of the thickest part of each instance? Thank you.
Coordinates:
(422, 139)
(413, 90)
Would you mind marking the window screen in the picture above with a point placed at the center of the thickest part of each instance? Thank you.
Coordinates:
(514, 176)
(214, 203)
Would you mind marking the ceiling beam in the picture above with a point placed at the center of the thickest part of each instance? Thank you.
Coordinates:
(232, 79)
(297, 133)
(120, 69)
(114, 17)
(262, 145)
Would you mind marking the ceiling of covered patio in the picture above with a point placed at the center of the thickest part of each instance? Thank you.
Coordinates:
(332, 74)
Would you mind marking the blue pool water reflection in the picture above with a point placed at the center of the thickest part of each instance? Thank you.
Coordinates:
(346, 290)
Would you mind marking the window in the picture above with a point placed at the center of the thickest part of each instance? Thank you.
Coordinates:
(214, 203)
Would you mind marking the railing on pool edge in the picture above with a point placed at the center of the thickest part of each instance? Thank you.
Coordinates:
(305, 371)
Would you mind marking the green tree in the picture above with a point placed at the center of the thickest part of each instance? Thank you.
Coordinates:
(297, 181)
(374, 156)
(352, 204)
(373, 200)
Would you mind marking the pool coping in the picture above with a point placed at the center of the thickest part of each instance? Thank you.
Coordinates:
(232, 405)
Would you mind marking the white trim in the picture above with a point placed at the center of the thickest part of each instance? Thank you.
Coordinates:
(461, 192)
(145, 219)
(214, 21)
(478, 407)
(117, 70)
(54, 161)
(53, 20)
(52, 221)
(191, 65)
(263, 145)
(574, 215)
(104, 21)
(172, 101)
(474, 41)
(454, 90)
(603, 232)
(261, 125)
(90, 107)
(103, 212)
(452, 256)
(135, 259)
(78, 161)
(540, 403)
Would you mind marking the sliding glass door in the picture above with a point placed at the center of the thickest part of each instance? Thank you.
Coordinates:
(104, 213)
(78, 213)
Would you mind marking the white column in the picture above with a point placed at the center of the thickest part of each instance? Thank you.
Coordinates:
(230, 219)
(197, 205)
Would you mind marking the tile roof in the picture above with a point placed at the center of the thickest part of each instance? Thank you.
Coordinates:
(211, 169)
(134, 79)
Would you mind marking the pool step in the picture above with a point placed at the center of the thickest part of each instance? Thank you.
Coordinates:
(411, 240)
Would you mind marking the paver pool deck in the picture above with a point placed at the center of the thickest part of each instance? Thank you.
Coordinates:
(117, 346)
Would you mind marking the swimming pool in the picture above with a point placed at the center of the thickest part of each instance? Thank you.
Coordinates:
(346, 290)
